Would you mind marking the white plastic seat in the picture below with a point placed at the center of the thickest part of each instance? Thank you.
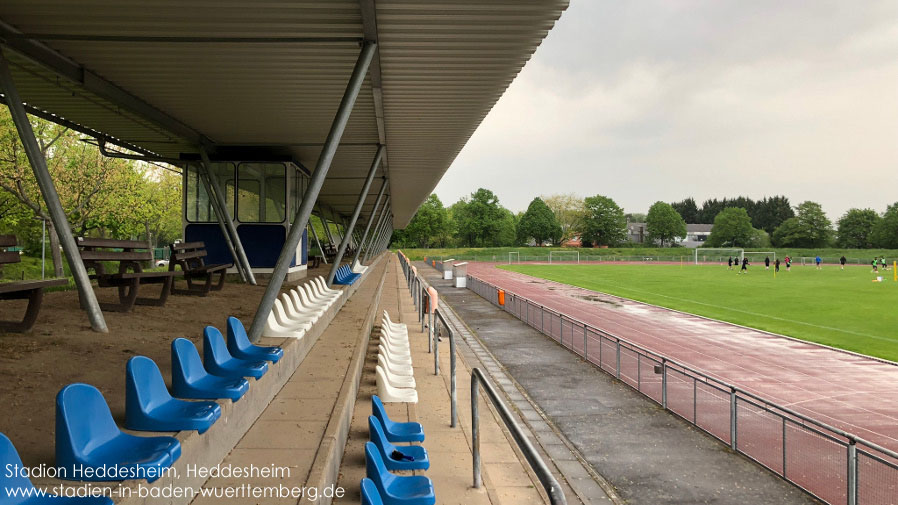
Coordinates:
(296, 313)
(316, 295)
(280, 314)
(358, 268)
(308, 302)
(273, 328)
(391, 324)
(397, 381)
(393, 332)
(388, 393)
(398, 342)
(323, 286)
(396, 349)
(394, 368)
(393, 358)
(303, 307)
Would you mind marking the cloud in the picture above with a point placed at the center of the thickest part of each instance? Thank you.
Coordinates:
(644, 101)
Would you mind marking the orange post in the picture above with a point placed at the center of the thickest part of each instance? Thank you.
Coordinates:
(502, 297)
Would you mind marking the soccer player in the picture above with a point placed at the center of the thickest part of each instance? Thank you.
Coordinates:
(874, 266)
(744, 266)
(767, 263)
(842, 261)
(818, 260)
(776, 266)
(882, 263)
(788, 264)
(730, 263)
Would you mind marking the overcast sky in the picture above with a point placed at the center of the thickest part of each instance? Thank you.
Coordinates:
(660, 100)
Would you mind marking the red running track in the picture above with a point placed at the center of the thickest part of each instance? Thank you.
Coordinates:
(854, 393)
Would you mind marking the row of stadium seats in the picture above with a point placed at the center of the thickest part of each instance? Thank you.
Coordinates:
(346, 276)
(395, 378)
(381, 486)
(91, 447)
(295, 311)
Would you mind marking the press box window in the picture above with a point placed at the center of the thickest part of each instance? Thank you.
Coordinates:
(261, 193)
(199, 206)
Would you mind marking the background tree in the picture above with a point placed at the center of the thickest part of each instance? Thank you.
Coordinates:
(482, 222)
(856, 228)
(771, 212)
(687, 209)
(604, 222)
(538, 223)
(430, 224)
(732, 228)
(568, 210)
(885, 231)
(663, 224)
(810, 228)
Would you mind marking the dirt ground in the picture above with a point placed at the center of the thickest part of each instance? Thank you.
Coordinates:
(62, 349)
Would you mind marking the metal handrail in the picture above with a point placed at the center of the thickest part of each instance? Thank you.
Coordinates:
(453, 395)
(550, 484)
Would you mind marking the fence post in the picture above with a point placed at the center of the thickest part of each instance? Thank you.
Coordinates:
(733, 444)
(617, 374)
(585, 340)
(452, 393)
(475, 430)
(664, 383)
(784, 448)
(852, 472)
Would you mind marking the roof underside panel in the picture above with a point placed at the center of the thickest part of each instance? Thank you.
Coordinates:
(271, 74)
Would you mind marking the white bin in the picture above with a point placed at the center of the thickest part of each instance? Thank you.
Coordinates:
(460, 270)
(447, 269)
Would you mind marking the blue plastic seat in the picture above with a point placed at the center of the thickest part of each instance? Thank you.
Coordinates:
(370, 494)
(396, 432)
(218, 361)
(87, 440)
(241, 348)
(150, 407)
(395, 489)
(21, 486)
(345, 276)
(189, 379)
(418, 454)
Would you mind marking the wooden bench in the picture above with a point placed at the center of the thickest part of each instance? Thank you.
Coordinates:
(314, 261)
(130, 254)
(32, 290)
(191, 258)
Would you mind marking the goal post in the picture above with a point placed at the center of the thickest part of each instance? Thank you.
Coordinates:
(564, 257)
(514, 257)
(758, 256)
(717, 254)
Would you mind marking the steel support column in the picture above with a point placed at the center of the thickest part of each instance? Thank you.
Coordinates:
(327, 229)
(361, 242)
(320, 249)
(227, 221)
(355, 214)
(373, 243)
(203, 176)
(311, 195)
(51, 198)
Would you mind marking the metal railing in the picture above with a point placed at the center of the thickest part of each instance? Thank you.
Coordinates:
(833, 465)
(677, 255)
(478, 380)
(417, 286)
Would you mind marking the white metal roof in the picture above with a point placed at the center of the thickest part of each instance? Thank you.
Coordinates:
(166, 75)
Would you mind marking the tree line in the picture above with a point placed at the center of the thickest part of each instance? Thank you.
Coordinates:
(479, 220)
(101, 196)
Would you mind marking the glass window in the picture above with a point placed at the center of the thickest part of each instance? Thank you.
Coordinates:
(199, 207)
(261, 193)
(296, 191)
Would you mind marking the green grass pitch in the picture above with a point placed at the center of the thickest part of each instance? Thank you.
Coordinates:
(839, 308)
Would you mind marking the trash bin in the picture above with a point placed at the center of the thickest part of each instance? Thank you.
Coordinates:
(460, 270)
(447, 269)
(501, 297)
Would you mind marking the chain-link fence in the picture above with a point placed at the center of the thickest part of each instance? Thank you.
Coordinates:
(833, 465)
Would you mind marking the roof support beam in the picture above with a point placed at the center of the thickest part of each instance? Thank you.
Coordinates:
(68, 69)
(311, 194)
(227, 221)
(320, 249)
(355, 215)
(358, 250)
(378, 229)
(51, 198)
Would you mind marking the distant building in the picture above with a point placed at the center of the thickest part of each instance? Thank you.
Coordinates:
(696, 234)
(572, 242)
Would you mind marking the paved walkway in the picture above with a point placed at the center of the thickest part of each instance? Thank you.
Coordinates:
(845, 390)
(649, 455)
(506, 479)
